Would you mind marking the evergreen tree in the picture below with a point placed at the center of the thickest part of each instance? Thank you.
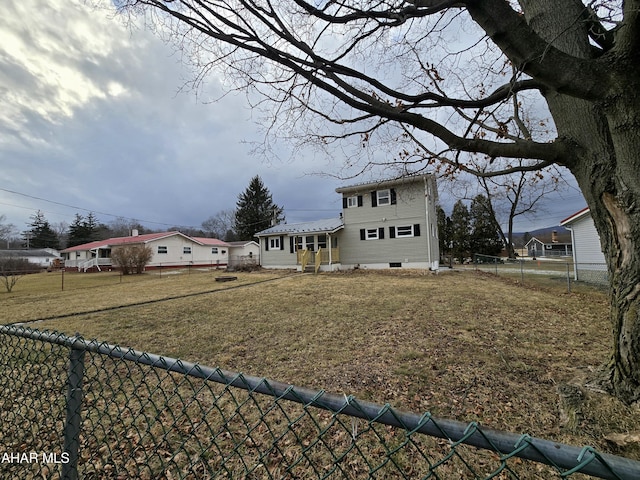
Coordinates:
(256, 210)
(41, 235)
(83, 230)
(460, 231)
(485, 236)
(444, 231)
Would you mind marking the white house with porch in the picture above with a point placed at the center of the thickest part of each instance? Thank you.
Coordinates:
(170, 249)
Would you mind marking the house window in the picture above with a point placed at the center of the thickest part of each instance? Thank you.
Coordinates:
(352, 202)
(274, 243)
(372, 233)
(214, 250)
(384, 197)
(404, 231)
(162, 249)
(186, 250)
(322, 241)
(309, 241)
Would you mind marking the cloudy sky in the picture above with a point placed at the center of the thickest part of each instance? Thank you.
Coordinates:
(94, 118)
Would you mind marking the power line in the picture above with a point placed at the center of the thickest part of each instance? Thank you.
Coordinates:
(62, 204)
(33, 197)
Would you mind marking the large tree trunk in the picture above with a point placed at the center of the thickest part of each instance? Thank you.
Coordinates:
(607, 168)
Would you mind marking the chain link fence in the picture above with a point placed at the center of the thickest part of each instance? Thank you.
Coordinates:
(541, 270)
(76, 409)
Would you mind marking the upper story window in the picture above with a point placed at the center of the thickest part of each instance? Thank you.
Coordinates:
(352, 202)
(162, 249)
(186, 250)
(383, 197)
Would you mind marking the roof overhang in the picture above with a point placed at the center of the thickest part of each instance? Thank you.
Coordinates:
(383, 183)
(575, 216)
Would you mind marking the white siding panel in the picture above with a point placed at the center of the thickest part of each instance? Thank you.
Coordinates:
(587, 241)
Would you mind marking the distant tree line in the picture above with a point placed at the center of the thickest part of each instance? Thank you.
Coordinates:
(469, 230)
(255, 211)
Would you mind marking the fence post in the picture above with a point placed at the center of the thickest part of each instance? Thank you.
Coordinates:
(568, 279)
(521, 272)
(74, 403)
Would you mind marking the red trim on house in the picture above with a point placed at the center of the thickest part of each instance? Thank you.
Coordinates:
(575, 216)
(111, 268)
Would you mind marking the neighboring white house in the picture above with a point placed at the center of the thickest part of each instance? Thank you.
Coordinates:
(244, 253)
(589, 261)
(42, 258)
(386, 224)
(170, 249)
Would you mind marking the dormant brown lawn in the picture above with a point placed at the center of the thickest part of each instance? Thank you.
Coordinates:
(460, 345)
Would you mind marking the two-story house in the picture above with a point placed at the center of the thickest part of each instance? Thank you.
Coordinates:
(386, 224)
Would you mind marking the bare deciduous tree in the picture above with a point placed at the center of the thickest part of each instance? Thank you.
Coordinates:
(439, 72)
(219, 224)
(13, 269)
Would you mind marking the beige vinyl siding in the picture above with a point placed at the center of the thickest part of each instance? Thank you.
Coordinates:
(409, 209)
(277, 258)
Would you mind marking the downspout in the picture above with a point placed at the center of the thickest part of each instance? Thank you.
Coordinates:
(330, 258)
(573, 253)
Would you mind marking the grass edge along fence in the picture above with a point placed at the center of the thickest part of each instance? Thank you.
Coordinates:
(565, 459)
(593, 274)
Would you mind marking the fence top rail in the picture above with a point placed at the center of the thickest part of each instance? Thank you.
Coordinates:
(586, 460)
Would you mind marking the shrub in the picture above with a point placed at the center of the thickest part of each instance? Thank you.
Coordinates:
(132, 258)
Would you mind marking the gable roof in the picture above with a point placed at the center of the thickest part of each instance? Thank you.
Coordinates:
(242, 243)
(146, 238)
(572, 218)
(327, 225)
(214, 242)
(562, 238)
